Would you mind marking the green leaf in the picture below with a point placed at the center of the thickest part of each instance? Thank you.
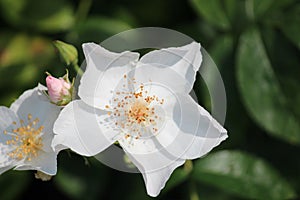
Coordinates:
(243, 175)
(48, 16)
(261, 92)
(257, 8)
(222, 52)
(260, 10)
(212, 11)
(24, 49)
(231, 8)
(23, 60)
(290, 25)
(16, 51)
(96, 29)
(221, 49)
(235, 10)
(284, 65)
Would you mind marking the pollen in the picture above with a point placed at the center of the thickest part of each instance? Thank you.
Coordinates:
(26, 139)
(134, 111)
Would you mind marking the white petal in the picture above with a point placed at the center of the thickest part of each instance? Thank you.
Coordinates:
(48, 134)
(184, 60)
(79, 128)
(7, 117)
(155, 181)
(192, 132)
(104, 71)
(5, 160)
(44, 162)
(155, 166)
(164, 77)
(34, 102)
(47, 139)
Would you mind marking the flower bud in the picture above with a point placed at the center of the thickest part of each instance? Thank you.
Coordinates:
(68, 52)
(59, 90)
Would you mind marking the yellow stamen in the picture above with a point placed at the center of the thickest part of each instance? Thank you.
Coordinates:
(26, 139)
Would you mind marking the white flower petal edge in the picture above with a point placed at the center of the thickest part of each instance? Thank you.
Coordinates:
(185, 61)
(155, 180)
(155, 165)
(38, 94)
(34, 120)
(78, 128)
(45, 163)
(103, 72)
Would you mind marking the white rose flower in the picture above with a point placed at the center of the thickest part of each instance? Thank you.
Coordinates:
(26, 133)
(144, 105)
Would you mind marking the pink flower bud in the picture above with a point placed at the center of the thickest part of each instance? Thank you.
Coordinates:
(57, 88)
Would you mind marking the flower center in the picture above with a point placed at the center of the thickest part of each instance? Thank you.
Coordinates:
(25, 140)
(135, 113)
(138, 111)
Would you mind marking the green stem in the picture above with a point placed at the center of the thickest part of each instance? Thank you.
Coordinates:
(78, 69)
(83, 9)
(193, 191)
(86, 161)
(194, 195)
(188, 166)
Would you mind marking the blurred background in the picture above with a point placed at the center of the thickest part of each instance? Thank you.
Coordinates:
(255, 44)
